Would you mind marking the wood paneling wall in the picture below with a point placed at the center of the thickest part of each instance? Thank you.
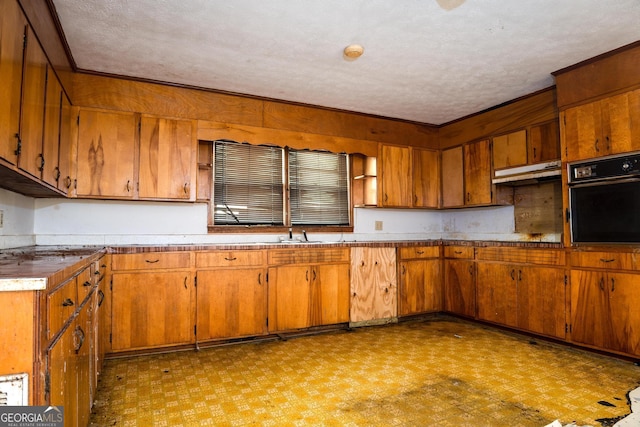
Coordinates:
(604, 75)
(536, 108)
(180, 102)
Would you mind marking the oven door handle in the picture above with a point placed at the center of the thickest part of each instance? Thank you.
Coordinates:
(605, 181)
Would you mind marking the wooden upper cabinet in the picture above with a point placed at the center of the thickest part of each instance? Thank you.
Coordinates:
(51, 138)
(510, 150)
(477, 173)
(544, 142)
(67, 156)
(106, 149)
(167, 158)
(604, 127)
(394, 177)
(452, 177)
(426, 178)
(12, 32)
(30, 158)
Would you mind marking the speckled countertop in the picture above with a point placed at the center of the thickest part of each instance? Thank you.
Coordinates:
(41, 267)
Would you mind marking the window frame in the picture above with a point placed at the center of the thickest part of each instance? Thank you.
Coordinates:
(269, 228)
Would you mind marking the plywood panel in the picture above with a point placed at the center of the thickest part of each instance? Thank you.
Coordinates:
(373, 285)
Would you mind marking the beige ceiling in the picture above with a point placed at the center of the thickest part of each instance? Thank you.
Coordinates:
(424, 60)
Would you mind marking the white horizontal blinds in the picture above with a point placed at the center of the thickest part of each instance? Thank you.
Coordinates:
(248, 187)
(318, 188)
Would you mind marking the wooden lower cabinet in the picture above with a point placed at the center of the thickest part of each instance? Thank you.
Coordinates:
(231, 303)
(302, 296)
(605, 307)
(63, 376)
(460, 287)
(374, 286)
(151, 309)
(525, 297)
(420, 280)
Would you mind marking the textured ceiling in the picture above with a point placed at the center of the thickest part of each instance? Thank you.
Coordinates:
(424, 60)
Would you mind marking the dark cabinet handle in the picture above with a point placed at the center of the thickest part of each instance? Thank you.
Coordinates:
(404, 270)
(185, 282)
(18, 149)
(57, 174)
(68, 303)
(596, 145)
(457, 252)
(67, 182)
(151, 261)
(128, 186)
(259, 278)
(534, 152)
(602, 283)
(420, 252)
(78, 338)
(87, 284)
(306, 276)
(520, 275)
(41, 157)
(471, 270)
(607, 260)
(513, 274)
(230, 258)
(186, 188)
(314, 274)
(100, 297)
(613, 284)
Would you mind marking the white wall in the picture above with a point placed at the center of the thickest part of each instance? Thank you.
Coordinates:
(30, 221)
(17, 220)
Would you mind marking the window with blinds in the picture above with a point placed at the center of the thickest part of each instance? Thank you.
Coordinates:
(318, 188)
(248, 184)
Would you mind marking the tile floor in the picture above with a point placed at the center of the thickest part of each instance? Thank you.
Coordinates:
(440, 371)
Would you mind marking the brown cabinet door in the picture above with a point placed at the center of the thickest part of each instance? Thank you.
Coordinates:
(510, 150)
(497, 293)
(452, 178)
(106, 142)
(167, 150)
(426, 178)
(151, 309)
(460, 287)
(420, 287)
(231, 303)
(31, 158)
(289, 296)
(477, 173)
(620, 121)
(12, 32)
(582, 131)
(544, 143)
(329, 294)
(67, 155)
(374, 285)
(51, 137)
(395, 178)
(541, 300)
(604, 310)
(63, 378)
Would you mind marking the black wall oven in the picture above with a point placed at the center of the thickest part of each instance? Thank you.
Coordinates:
(604, 197)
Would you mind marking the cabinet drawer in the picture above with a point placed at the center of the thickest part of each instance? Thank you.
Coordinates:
(84, 283)
(229, 258)
(419, 252)
(61, 304)
(151, 261)
(522, 256)
(465, 252)
(293, 256)
(608, 260)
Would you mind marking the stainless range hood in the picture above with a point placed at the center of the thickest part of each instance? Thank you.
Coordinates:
(529, 174)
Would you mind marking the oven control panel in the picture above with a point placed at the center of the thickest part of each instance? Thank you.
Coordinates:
(606, 168)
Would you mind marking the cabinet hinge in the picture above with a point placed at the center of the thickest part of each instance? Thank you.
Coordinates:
(567, 328)
(195, 281)
(24, 39)
(78, 120)
(267, 277)
(111, 284)
(110, 338)
(47, 383)
(566, 279)
(195, 330)
(267, 322)
(567, 215)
